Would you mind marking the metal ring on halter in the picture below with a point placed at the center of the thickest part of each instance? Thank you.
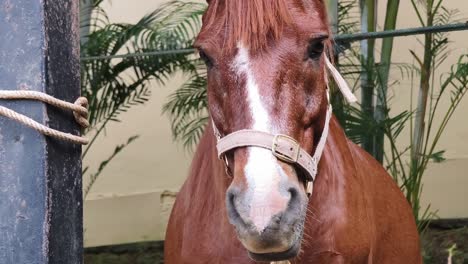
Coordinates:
(227, 168)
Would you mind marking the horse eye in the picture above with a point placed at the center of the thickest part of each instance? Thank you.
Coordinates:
(315, 49)
(205, 58)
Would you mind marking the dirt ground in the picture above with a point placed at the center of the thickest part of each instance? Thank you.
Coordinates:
(141, 253)
(436, 242)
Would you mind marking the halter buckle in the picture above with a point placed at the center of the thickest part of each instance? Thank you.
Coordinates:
(285, 152)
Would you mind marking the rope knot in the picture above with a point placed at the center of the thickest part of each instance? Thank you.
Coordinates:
(81, 114)
(79, 109)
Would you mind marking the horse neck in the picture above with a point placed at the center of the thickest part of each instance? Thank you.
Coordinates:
(337, 181)
(207, 178)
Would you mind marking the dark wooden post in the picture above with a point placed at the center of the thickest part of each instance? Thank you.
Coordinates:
(40, 178)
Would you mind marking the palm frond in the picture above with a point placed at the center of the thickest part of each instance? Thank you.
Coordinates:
(113, 85)
(348, 18)
(187, 107)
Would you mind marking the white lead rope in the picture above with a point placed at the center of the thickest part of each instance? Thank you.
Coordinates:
(340, 81)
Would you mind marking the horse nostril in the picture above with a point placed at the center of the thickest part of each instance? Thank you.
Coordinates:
(294, 200)
(276, 219)
(231, 205)
(230, 200)
(294, 194)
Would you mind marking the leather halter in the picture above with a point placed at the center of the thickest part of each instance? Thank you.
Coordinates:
(284, 147)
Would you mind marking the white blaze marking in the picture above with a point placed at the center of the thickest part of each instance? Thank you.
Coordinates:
(261, 120)
(262, 171)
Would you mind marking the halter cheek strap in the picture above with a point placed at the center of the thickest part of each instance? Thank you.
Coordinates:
(283, 147)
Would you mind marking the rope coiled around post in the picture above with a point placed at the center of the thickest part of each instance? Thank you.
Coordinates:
(79, 109)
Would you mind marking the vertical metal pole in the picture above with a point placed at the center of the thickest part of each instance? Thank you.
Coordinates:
(40, 178)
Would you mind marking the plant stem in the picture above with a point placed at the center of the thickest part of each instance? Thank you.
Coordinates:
(86, 7)
(420, 114)
(384, 72)
(368, 24)
(98, 132)
(418, 159)
(332, 6)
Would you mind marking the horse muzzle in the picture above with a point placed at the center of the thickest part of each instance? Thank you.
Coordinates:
(268, 232)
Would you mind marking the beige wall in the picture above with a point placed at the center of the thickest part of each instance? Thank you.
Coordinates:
(445, 185)
(132, 199)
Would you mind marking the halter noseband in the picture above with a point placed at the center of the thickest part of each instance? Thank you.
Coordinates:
(283, 147)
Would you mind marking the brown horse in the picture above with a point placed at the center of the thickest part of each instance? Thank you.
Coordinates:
(266, 64)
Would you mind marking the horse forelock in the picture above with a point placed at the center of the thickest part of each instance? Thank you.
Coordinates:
(256, 24)
(252, 22)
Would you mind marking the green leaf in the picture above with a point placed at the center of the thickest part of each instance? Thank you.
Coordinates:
(437, 157)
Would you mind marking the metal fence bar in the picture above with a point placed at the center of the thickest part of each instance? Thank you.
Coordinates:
(342, 39)
(40, 178)
(401, 32)
(142, 54)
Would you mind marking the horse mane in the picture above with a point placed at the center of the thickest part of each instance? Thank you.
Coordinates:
(253, 22)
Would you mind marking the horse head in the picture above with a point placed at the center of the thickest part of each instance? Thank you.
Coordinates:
(266, 72)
